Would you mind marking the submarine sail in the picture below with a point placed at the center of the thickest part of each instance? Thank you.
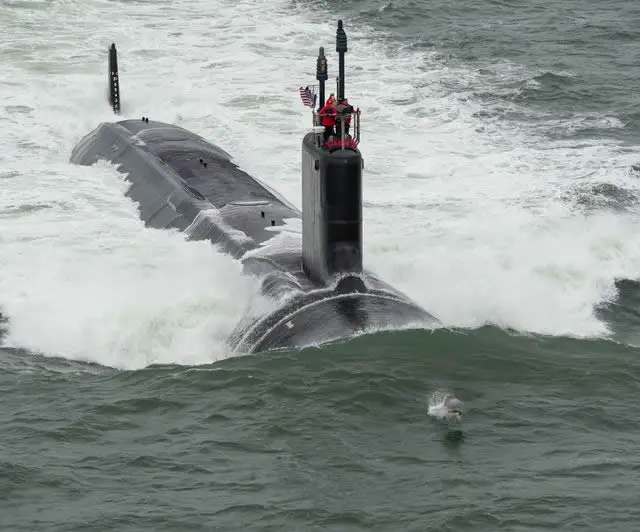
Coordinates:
(181, 181)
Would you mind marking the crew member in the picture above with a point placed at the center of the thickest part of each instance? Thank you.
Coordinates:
(328, 113)
(344, 111)
(330, 99)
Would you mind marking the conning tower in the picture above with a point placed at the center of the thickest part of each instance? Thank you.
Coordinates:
(332, 189)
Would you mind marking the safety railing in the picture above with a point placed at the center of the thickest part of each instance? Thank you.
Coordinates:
(345, 134)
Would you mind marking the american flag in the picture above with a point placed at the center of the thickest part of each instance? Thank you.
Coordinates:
(308, 98)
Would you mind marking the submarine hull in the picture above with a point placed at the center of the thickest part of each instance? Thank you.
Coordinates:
(181, 181)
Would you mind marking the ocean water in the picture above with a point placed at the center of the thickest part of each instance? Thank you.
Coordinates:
(501, 192)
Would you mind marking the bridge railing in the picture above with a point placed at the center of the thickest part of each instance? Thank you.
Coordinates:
(346, 130)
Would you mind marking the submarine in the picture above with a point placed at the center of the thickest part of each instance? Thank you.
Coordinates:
(314, 277)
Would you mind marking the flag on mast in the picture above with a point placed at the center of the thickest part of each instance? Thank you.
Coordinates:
(307, 96)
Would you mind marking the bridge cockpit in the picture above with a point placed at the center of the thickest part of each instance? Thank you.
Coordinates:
(343, 134)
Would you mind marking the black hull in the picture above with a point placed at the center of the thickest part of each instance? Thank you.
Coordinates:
(181, 181)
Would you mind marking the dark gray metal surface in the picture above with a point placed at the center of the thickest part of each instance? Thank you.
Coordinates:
(180, 180)
(332, 211)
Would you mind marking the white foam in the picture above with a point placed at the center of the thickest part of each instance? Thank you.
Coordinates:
(209, 217)
(438, 408)
(83, 279)
(287, 239)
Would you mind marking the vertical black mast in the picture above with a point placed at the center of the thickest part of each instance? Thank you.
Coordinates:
(321, 75)
(341, 48)
(114, 81)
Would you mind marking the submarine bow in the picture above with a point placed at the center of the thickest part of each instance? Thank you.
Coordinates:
(314, 276)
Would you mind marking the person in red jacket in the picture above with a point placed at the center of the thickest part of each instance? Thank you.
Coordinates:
(344, 109)
(328, 114)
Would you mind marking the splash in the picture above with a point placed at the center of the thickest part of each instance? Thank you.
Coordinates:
(444, 406)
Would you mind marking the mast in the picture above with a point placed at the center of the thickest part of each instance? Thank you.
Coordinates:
(321, 75)
(341, 48)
